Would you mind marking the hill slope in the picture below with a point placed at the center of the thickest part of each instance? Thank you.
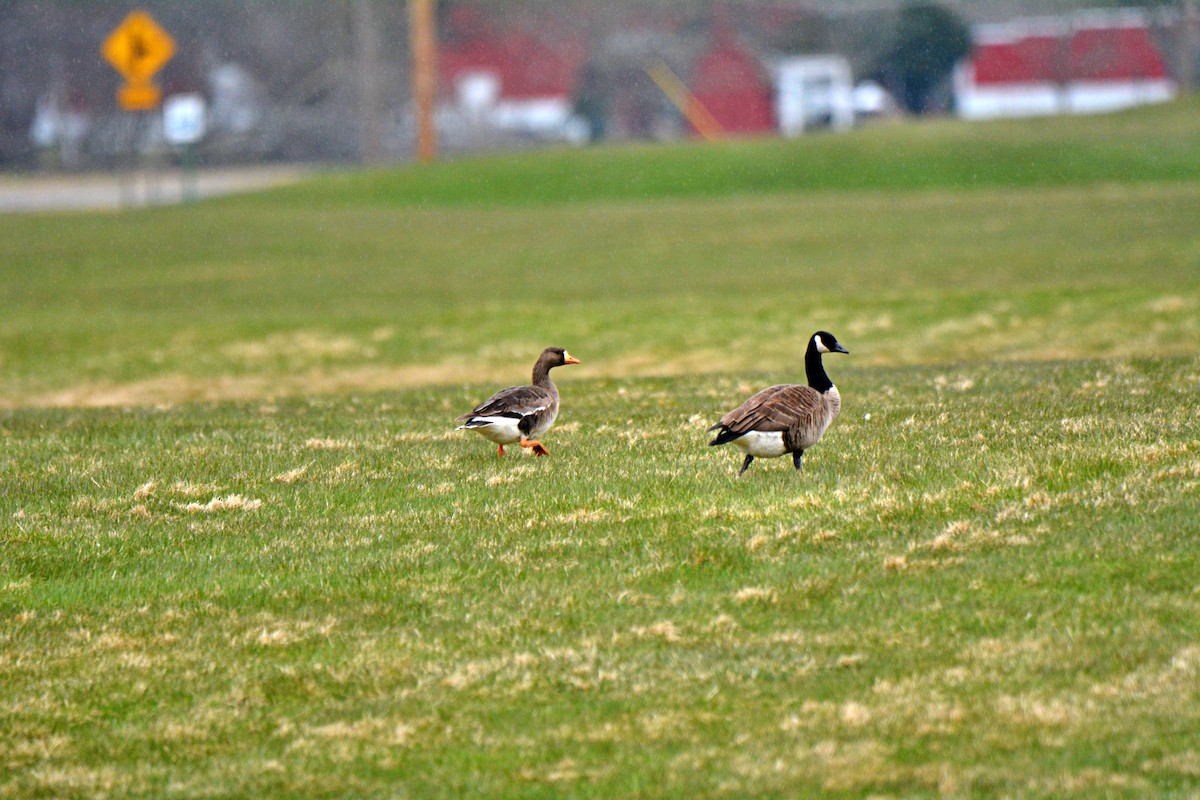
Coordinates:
(1152, 143)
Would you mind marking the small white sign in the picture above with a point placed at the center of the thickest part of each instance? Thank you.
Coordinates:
(184, 118)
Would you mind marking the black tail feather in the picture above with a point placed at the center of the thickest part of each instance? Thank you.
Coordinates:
(725, 436)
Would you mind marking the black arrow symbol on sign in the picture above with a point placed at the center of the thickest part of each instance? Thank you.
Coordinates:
(138, 51)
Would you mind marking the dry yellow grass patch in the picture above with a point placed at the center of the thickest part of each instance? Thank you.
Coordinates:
(807, 501)
(426, 436)
(167, 390)
(919, 704)
(1191, 470)
(861, 325)
(839, 766)
(301, 345)
(291, 476)
(1044, 712)
(145, 490)
(582, 515)
(268, 631)
(316, 443)
(561, 772)
(94, 505)
(1170, 304)
(1168, 682)
(517, 673)
(756, 594)
(664, 630)
(233, 502)
(511, 476)
(183, 489)
(950, 538)
(991, 652)
(1095, 782)
(367, 729)
(57, 780)
(186, 731)
(277, 637)
(960, 383)
(1185, 763)
(302, 348)
(629, 597)
(50, 746)
(17, 586)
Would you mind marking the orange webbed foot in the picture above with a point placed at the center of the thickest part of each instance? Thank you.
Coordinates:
(536, 447)
(500, 450)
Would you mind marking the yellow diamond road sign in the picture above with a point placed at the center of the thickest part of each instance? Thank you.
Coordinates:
(138, 47)
(139, 96)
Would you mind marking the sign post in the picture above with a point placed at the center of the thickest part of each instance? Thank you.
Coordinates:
(183, 125)
(138, 48)
(423, 32)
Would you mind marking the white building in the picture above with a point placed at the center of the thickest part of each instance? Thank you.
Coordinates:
(813, 91)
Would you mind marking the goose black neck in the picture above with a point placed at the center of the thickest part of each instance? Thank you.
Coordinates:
(815, 369)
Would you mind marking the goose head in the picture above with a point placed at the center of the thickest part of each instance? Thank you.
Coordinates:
(556, 357)
(826, 342)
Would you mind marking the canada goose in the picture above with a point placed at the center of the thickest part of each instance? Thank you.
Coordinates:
(788, 418)
(521, 413)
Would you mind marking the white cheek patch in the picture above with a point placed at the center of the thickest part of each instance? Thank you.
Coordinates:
(821, 348)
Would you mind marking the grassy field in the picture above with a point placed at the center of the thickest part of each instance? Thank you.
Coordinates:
(244, 553)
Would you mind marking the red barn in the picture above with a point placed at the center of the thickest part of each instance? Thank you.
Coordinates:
(514, 78)
(1083, 64)
(735, 88)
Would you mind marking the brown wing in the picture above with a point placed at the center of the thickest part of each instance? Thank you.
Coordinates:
(516, 401)
(778, 408)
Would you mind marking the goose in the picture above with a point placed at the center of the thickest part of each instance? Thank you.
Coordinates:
(521, 413)
(789, 418)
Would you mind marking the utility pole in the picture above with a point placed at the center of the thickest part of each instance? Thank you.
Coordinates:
(1062, 66)
(1189, 32)
(423, 31)
(369, 114)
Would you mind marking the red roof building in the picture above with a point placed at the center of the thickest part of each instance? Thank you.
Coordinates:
(1082, 64)
(735, 89)
(515, 79)
(732, 83)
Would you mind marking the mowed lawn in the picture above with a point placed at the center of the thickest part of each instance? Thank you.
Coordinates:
(244, 553)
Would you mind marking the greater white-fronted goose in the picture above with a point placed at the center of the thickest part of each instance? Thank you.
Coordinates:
(521, 413)
(788, 418)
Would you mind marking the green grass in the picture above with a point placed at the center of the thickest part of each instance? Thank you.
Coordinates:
(244, 553)
(154, 306)
(1160, 143)
(988, 585)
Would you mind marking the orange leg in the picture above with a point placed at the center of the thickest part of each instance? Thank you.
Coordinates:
(537, 448)
(500, 450)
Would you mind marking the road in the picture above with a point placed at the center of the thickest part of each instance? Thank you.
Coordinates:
(135, 189)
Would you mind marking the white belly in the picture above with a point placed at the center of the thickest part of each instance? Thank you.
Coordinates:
(501, 430)
(762, 445)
